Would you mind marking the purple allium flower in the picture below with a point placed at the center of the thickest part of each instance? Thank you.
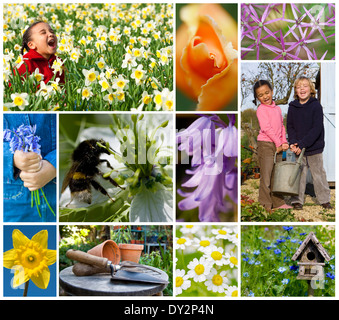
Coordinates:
(261, 24)
(213, 146)
(23, 138)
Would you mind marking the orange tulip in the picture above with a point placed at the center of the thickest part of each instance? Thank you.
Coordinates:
(206, 64)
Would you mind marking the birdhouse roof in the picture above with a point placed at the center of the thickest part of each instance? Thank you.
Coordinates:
(315, 241)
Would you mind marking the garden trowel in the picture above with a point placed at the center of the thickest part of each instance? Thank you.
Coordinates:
(89, 264)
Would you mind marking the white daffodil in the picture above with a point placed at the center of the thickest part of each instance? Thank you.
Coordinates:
(216, 282)
(199, 269)
(104, 83)
(37, 75)
(19, 100)
(90, 76)
(86, 93)
(181, 281)
(45, 90)
(138, 74)
(129, 62)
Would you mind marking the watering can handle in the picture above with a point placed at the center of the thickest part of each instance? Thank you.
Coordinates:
(294, 174)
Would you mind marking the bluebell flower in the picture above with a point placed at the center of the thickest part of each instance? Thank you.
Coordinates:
(251, 294)
(277, 251)
(285, 281)
(213, 148)
(287, 228)
(292, 268)
(256, 252)
(23, 138)
(245, 275)
(330, 275)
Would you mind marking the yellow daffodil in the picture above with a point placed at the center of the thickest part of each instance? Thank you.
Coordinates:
(30, 259)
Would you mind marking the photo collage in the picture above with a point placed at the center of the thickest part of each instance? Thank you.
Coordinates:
(169, 151)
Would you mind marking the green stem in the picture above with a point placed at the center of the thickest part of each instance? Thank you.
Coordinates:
(47, 201)
(26, 288)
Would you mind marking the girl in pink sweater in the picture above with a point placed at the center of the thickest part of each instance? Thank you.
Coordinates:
(271, 139)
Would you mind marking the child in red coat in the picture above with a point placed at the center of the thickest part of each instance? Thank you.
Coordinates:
(41, 43)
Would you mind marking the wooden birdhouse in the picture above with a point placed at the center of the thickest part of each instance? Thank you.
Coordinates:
(311, 255)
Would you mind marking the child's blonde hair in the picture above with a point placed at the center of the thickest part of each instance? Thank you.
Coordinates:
(311, 84)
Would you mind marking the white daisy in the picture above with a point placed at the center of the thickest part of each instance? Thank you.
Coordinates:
(189, 229)
(216, 282)
(203, 243)
(181, 243)
(232, 291)
(215, 255)
(181, 281)
(223, 233)
(199, 269)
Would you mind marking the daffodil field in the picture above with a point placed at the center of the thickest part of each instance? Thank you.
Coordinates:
(114, 57)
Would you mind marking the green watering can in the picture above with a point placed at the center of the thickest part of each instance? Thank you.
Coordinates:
(287, 176)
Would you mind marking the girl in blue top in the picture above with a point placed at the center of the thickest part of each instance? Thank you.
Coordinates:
(27, 171)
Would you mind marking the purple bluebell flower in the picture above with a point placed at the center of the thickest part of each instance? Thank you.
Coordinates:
(23, 138)
(213, 148)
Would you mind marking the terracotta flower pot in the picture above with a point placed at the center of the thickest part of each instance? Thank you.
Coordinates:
(130, 252)
(107, 249)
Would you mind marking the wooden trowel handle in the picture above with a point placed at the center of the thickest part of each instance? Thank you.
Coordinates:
(82, 269)
(87, 258)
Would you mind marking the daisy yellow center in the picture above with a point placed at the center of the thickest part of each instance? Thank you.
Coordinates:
(223, 232)
(18, 101)
(199, 269)
(181, 241)
(204, 243)
(216, 255)
(179, 281)
(92, 76)
(234, 260)
(235, 293)
(217, 280)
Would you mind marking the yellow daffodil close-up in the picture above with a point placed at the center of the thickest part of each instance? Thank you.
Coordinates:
(30, 259)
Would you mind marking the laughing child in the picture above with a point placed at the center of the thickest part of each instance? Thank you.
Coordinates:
(271, 140)
(41, 43)
(305, 129)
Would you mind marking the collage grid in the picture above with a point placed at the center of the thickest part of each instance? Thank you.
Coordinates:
(176, 170)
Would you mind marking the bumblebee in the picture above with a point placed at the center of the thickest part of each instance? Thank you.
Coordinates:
(80, 177)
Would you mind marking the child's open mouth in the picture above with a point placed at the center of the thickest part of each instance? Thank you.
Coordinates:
(52, 43)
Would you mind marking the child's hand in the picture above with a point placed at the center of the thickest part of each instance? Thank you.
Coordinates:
(27, 161)
(279, 149)
(285, 146)
(36, 180)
